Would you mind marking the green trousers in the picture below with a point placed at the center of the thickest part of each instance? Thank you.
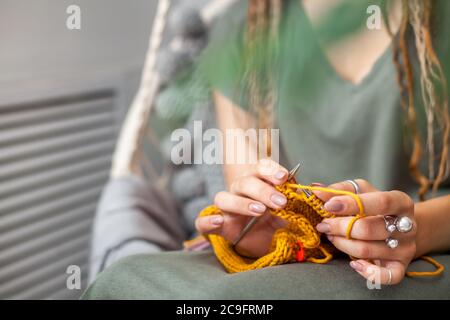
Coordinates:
(198, 275)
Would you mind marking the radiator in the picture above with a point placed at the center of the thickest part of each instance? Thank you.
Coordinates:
(55, 155)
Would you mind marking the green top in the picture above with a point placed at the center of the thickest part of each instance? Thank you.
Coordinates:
(336, 129)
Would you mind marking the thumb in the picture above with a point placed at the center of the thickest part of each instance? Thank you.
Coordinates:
(210, 224)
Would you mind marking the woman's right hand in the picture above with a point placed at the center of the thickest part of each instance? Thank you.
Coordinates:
(250, 195)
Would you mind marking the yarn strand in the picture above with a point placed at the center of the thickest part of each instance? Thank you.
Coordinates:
(299, 241)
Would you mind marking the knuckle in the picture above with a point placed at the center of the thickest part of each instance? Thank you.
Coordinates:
(384, 201)
(406, 202)
(413, 231)
(338, 186)
(396, 280)
(233, 186)
(198, 224)
(266, 166)
(264, 190)
(218, 198)
(239, 184)
(411, 250)
(409, 203)
(362, 182)
(344, 186)
(365, 228)
(363, 251)
(399, 276)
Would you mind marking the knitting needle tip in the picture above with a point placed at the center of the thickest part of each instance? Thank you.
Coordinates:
(293, 171)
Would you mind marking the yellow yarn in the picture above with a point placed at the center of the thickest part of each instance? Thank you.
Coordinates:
(439, 269)
(302, 213)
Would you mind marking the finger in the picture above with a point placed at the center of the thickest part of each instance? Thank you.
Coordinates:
(364, 186)
(367, 228)
(254, 188)
(210, 224)
(269, 171)
(368, 249)
(374, 203)
(380, 274)
(232, 203)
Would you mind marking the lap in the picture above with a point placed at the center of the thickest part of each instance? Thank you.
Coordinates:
(182, 275)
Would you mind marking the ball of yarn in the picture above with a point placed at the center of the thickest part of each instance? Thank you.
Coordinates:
(187, 184)
(186, 21)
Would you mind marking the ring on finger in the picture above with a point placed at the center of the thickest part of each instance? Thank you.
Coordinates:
(390, 277)
(392, 243)
(402, 224)
(355, 185)
(390, 223)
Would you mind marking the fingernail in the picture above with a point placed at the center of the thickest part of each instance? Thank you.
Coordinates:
(217, 220)
(257, 207)
(330, 237)
(278, 199)
(317, 184)
(334, 206)
(356, 265)
(323, 227)
(280, 174)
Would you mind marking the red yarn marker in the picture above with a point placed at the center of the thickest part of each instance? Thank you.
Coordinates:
(300, 256)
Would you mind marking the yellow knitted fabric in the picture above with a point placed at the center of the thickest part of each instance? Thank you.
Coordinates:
(302, 213)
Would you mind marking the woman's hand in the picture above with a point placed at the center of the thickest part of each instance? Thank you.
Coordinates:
(250, 196)
(368, 235)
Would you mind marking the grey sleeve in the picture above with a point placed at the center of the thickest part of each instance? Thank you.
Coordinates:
(133, 217)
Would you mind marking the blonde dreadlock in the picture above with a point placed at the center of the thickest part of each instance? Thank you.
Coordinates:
(263, 19)
(417, 13)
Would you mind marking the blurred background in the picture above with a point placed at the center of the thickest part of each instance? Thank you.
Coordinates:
(63, 96)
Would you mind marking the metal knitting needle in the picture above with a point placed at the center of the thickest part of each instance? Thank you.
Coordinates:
(253, 221)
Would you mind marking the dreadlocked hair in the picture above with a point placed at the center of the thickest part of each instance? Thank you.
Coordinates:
(261, 38)
(259, 78)
(433, 85)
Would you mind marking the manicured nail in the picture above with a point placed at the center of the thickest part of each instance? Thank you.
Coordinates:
(356, 265)
(218, 220)
(334, 206)
(280, 174)
(330, 237)
(323, 227)
(278, 199)
(317, 184)
(257, 207)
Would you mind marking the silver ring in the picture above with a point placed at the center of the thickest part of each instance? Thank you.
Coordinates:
(355, 185)
(390, 223)
(403, 224)
(392, 243)
(390, 277)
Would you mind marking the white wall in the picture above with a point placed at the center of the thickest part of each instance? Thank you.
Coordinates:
(36, 46)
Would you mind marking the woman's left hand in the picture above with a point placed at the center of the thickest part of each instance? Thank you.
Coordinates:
(369, 234)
